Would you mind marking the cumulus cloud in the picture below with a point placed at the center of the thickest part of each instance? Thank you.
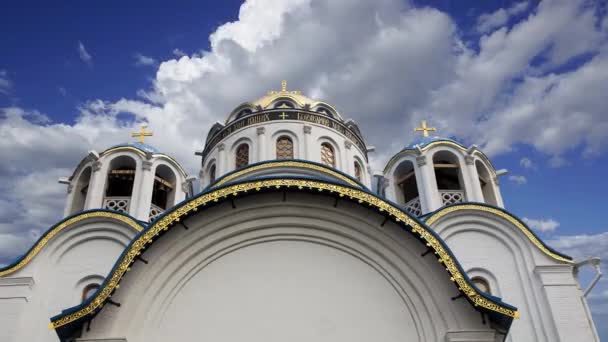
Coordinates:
(517, 179)
(527, 163)
(141, 60)
(84, 54)
(178, 52)
(542, 225)
(489, 21)
(5, 82)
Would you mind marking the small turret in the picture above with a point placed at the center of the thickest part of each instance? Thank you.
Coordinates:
(433, 172)
(133, 178)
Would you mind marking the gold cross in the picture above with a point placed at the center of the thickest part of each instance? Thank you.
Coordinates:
(425, 130)
(284, 90)
(283, 115)
(142, 133)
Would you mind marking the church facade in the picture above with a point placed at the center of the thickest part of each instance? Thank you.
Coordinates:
(293, 238)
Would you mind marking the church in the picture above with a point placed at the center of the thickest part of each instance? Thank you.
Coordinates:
(293, 237)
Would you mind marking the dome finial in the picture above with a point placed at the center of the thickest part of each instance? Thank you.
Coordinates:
(284, 90)
(142, 133)
(424, 129)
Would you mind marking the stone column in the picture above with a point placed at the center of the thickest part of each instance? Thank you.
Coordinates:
(496, 185)
(472, 187)
(144, 200)
(97, 183)
(222, 163)
(307, 131)
(348, 164)
(262, 155)
(427, 189)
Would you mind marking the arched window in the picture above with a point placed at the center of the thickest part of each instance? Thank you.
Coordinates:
(81, 188)
(358, 171)
(163, 192)
(485, 181)
(242, 155)
(284, 148)
(406, 188)
(328, 156)
(119, 186)
(482, 284)
(212, 174)
(448, 177)
(89, 290)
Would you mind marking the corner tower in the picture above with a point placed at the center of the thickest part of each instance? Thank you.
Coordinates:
(284, 125)
(132, 178)
(433, 172)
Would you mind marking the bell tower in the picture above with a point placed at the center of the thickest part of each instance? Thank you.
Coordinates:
(131, 178)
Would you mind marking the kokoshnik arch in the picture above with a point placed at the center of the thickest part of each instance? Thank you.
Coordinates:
(293, 237)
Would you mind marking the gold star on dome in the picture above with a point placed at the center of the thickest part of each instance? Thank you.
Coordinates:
(425, 130)
(284, 90)
(142, 134)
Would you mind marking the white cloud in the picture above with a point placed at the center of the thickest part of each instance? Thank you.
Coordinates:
(141, 60)
(519, 180)
(542, 225)
(178, 52)
(527, 163)
(84, 55)
(5, 82)
(489, 21)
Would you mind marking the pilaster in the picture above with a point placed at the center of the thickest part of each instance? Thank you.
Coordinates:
(307, 131)
(97, 183)
(261, 143)
(144, 200)
(427, 188)
(472, 186)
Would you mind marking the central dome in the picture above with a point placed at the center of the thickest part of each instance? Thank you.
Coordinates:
(287, 99)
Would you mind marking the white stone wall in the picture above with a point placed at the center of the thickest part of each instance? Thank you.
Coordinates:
(307, 139)
(55, 279)
(545, 290)
(294, 270)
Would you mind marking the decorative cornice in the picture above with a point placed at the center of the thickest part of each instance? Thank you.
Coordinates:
(146, 165)
(144, 154)
(65, 224)
(421, 161)
(504, 215)
(214, 195)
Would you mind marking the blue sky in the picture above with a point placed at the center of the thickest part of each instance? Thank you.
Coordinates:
(524, 80)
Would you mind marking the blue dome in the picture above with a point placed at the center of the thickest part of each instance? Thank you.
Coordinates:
(423, 141)
(140, 146)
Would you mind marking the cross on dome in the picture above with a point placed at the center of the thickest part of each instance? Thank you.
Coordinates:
(424, 129)
(284, 90)
(142, 134)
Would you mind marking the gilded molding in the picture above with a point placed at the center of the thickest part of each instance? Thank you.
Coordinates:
(170, 219)
(502, 214)
(64, 225)
(237, 174)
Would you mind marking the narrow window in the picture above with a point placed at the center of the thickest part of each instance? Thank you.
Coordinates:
(212, 174)
(284, 148)
(482, 284)
(89, 290)
(328, 156)
(358, 171)
(242, 155)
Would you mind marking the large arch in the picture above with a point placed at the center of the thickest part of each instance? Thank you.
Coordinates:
(246, 214)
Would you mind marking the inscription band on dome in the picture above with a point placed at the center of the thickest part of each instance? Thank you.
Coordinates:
(283, 114)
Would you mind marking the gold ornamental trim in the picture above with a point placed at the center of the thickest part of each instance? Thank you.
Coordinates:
(504, 215)
(64, 225)
(269, 165)
(168, 221)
